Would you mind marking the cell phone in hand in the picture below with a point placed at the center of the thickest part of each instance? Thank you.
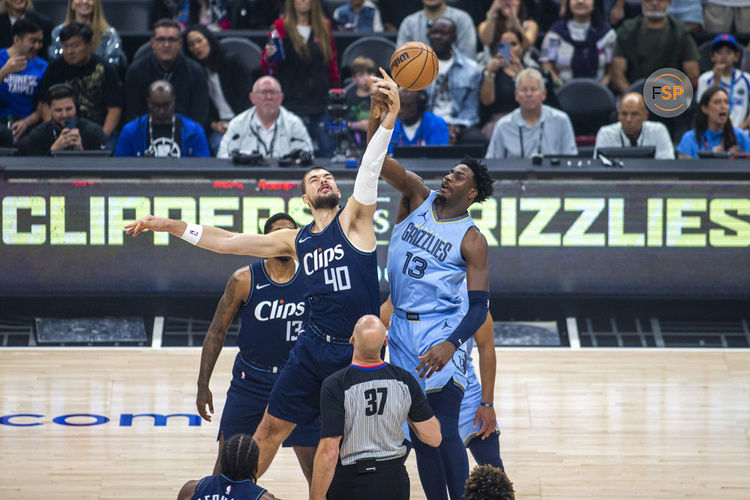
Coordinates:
(503, 50)
(70, 123)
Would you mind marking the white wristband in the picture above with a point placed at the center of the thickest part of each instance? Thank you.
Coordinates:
(193, 233)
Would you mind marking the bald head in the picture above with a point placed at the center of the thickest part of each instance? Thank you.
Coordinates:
(368, 338)
(632, 113)
(266, 83)
(161, 86)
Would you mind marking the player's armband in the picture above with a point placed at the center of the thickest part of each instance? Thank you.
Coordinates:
(479, 302)
(366, 183)
(192, 233)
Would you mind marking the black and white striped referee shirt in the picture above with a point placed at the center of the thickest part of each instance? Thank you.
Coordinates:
(368, 406)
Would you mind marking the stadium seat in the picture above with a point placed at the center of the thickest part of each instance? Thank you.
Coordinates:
(636, 86)
(329, 6)
(129, 15)
(376, 48)
(143, 50)
(54, 9)
(588, 103)
(247, 49)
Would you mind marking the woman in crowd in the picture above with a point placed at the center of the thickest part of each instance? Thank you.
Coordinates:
(10, 10)
(230, 79)
(106, 39)
(505, 15)
(580, 45)
(713, 130)
(301, 54)
(497, 93)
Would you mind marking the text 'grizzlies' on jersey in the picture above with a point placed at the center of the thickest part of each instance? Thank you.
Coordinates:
(270, 309)
(425, 267)
(342, 282)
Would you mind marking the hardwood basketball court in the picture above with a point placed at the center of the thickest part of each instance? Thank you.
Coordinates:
(577, 424)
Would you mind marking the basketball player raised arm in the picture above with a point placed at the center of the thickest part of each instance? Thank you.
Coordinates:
(457, 192)
(355, 218)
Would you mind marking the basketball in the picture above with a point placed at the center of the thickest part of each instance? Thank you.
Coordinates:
(414, 65)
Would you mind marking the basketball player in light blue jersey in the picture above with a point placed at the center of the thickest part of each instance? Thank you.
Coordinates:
(337, 254)
(432, 251)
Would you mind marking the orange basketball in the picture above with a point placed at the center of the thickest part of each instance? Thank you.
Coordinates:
(414, 65)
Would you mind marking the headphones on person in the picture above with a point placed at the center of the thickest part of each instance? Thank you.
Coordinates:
(421, 102)
(57, 86)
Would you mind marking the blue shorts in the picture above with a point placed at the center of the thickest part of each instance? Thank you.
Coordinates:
(407, 340)
(296, 395)
(246, 402)
(469, 405)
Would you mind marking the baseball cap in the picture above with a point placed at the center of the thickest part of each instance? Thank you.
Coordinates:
(724, 39)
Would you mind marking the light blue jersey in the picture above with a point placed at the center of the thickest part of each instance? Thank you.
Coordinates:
(425, 267)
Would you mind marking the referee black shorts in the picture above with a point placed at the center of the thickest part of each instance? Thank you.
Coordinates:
(370, 480)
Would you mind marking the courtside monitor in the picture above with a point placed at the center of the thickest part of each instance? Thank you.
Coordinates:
(457, 151)
(631, 152)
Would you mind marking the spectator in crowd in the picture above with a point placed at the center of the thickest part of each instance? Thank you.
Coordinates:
(636, 55)
(477, 9)
(417, 26)
(395, 11)
(713, 128)
(533, 128)
(64, 131)
(415, 125)
(239, 468)
(13, 10)
(358, 15)
(6, 137)
(580, 45)
(505, 15)
(497, 92)
(167, 63)
(230, 79)
(489, 483)
(689, 12)
(307, 66)
(358, 95)
(105, 39)
(267, 128)
(162, 133)
(96, 85)
(720, 16)
(725, 53)
(633, 129)
(454, 95)
(20, 75)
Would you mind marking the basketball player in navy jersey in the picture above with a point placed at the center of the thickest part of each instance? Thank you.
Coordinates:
(271, 300)
(239, 463)
(432, 251)
(337, 256)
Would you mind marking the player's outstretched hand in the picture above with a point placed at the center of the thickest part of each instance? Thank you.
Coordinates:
(203, 400)
(389, 90)
(489, 420)
(435, 358)
(157, 224)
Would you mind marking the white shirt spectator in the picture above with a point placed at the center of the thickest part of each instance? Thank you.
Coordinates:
(248, 135)
(652, 134)
(738, 89)
(514, 138)
(558, 51)
(414, 27)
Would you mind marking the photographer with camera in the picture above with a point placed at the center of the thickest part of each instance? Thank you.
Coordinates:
(266, 130)
(64, 131)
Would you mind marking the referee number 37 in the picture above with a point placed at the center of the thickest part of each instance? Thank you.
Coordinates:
(375, 400)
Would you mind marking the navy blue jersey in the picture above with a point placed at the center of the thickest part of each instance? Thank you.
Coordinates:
(222, 488)
(271, 317)
(341, 281)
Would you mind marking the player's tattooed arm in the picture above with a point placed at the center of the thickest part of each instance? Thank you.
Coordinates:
(236, 292)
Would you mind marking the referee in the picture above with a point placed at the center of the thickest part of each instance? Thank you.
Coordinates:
(363, 408)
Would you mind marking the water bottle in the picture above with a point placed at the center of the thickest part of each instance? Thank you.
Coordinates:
(278, 43)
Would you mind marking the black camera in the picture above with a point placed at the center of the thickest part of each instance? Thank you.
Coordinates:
(337, 107)
(296, 158)
(248, 159)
